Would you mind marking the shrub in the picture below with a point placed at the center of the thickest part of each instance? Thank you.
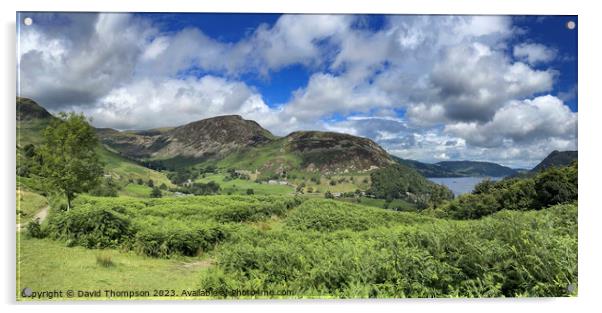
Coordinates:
(250, 191)
(90, 226)
(166, 238)
(156, 193)
(34, 229)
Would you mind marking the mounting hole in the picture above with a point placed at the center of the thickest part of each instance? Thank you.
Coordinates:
(27, 21)
(571, 25)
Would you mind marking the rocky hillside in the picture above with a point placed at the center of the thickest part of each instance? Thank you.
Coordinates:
(328, 151)
(209, 138)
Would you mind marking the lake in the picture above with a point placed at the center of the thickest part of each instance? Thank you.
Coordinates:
(461, 185)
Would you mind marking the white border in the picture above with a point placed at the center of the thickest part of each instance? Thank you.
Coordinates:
(589, 112)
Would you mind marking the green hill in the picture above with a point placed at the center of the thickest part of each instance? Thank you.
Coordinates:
(556, 159)
(32, 119)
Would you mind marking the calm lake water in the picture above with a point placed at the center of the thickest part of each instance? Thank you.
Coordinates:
(461, 185)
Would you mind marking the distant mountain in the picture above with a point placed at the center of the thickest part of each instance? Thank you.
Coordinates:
(474, 168)
(244, 144)
(457, 168)
(556, 158)
(427, 169)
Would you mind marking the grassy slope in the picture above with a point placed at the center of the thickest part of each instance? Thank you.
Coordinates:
(49, 265)
(124, 169)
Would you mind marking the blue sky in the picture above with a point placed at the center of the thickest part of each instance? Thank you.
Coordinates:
(431, 88)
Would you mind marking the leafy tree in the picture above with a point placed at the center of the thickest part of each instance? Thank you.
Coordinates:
(328, 195)
(150, 183)
(107, 188)
(139, 181)
(156, 193)
(555, 186)
(163, 186)
(484, 186)
(69, 161)
(250, 191)
(401, 182)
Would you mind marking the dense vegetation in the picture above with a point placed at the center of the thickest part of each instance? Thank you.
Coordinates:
(159, 227)
(507, 254)
(400, 182)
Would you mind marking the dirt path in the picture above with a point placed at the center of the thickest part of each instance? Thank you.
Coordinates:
(42, 214)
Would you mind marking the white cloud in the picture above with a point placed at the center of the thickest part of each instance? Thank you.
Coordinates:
(521, 122)
(82, 60)
(534, 53)
(151, 103)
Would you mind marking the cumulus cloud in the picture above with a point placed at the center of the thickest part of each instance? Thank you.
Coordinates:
(73, 59)
(534, 53)
(150, 103)
(521, 122)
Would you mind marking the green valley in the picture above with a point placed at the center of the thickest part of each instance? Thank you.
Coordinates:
(222, 204)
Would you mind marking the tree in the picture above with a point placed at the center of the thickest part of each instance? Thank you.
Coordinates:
(69, 161)
(556, 186)
(250, 191)
(156, 193)
(150, 183)
(328, 195)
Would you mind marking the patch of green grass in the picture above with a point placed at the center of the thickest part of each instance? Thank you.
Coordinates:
(240, 186)
(28, 203)
(135, 190)
(44, 264)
